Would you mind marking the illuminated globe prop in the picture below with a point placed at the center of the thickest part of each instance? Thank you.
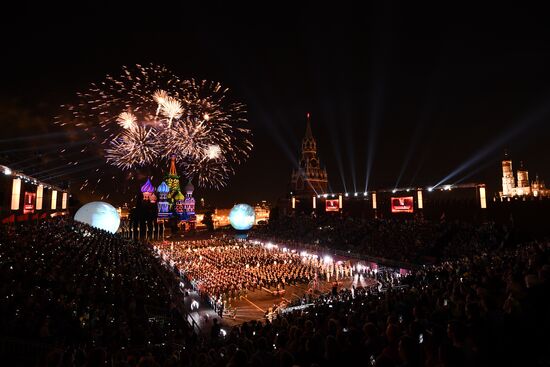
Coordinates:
(100, 215)
(242, 217)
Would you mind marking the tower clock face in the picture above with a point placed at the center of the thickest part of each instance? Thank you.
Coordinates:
(313, 163)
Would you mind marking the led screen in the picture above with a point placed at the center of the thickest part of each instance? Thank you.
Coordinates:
(332, 205)
(29, 202)
(402, 204)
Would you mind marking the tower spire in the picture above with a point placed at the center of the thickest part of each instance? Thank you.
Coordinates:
(308, 128)
(173, 165)
(172, 178)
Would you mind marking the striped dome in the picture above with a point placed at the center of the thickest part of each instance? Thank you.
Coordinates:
(163, 188)
(148, 187)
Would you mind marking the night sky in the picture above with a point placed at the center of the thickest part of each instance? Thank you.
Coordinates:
(417, 91)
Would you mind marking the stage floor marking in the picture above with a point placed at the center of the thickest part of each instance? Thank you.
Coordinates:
(253, 304)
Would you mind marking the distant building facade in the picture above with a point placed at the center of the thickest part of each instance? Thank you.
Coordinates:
(262, 211)
(521, 187)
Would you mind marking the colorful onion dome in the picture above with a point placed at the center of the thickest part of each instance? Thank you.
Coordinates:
(163, 188)
(189, 187)
(179, 196)
(148, 187)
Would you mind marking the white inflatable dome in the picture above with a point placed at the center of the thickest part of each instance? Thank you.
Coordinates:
(100, 215)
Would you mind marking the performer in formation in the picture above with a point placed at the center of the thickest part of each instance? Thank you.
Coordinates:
(223, 270)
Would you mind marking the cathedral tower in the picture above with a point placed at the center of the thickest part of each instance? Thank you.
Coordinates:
(508, 183)
(189, 202)
(524, 187)
(163, 204)
(172, 178)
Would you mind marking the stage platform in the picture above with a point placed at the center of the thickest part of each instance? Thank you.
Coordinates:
(255, 305)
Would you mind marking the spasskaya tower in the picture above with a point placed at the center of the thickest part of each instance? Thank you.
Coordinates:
(309, 179)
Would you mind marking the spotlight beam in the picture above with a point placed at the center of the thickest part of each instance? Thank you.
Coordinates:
(351, 156)
(501, 139)
(378, 88)
(34, 137)
(337, 151)
(268, 122)
(420, 127)
(478, 169)
(25, 149)
(72, 171)
(375, 116)
(58, 168)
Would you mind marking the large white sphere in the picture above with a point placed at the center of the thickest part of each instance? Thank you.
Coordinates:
(100, 215)
(242, 217)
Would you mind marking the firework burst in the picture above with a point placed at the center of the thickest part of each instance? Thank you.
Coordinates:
(159, 97)
(213, 152)
(127, 120)
(146, 114)
(134, 147)
(172, 109)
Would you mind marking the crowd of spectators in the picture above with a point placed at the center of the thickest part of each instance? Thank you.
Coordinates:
(86, 291)
(412, 241)
(90, 297)
(487, 309)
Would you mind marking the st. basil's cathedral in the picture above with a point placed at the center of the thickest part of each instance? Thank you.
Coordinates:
(171, 202)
